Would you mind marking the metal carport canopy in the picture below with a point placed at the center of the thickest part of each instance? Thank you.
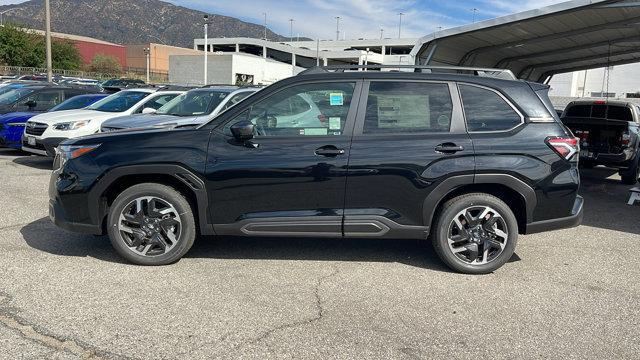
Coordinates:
(537, 44)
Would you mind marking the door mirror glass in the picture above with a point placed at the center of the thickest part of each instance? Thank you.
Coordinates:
(149, 111)
(242, 130)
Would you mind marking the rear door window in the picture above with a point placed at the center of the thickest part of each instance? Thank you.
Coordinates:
(405, 107)
(486, 110)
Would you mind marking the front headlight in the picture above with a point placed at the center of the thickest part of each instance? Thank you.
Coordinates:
(69, 152)
(71, 125)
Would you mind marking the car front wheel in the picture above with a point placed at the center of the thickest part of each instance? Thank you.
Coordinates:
(475, 233)
(151, 224)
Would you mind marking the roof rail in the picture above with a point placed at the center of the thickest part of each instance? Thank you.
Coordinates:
(484, 72)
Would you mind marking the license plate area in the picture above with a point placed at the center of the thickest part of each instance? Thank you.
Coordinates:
(31, 141)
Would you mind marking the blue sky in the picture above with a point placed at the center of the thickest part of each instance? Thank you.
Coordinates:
(360, 18)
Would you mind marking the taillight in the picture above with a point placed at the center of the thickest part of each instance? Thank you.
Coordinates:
(566, 147)
(626, 138)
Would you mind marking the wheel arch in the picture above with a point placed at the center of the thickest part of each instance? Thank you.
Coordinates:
(519, 196)
(182, 179)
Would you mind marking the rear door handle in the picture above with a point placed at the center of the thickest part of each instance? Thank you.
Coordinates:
(329, 151)
(449, 148)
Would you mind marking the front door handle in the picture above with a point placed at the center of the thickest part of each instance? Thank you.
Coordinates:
(329, 151)
(448, 148)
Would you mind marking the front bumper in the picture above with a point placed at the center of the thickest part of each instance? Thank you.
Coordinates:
(45, 147)
(573, 220)
(59, 218)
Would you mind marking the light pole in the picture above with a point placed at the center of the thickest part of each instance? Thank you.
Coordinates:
(265, 25)
(400, 25)
(291, 30)
(381, 33)
(475, 11)
(147, 54)
(338, 27)
(206, 46)
(47, 24)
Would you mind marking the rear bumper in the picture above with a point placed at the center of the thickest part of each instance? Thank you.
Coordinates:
(575, 219)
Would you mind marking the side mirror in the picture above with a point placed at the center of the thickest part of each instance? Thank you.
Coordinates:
(243, 130)
(149, 111)
(31, 104)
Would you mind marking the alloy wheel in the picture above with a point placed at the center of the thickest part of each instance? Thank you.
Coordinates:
(477, 235)
(150, 226)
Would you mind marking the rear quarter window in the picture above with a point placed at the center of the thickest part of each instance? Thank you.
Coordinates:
(486, 110)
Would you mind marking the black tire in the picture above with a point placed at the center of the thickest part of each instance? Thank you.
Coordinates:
(631, 175)
(447, 214)
(163, 192)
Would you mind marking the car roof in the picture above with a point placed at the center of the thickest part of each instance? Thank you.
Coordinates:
(602, 102)
(406, 75)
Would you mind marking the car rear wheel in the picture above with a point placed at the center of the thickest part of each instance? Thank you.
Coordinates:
(475, 233)
(631, 175)
(151, 224)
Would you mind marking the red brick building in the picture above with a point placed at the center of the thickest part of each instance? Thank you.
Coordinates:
(90, 47)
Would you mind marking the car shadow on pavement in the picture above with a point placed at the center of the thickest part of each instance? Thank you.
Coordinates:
(416, 253)
(44, 236)
(606, 199)
(35, 161)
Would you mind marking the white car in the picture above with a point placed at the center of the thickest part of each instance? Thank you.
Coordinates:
(44, 132)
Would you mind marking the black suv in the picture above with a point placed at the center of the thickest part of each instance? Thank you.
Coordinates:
(469, 161)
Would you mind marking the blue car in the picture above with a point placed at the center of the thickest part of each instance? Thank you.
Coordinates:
(12, 124)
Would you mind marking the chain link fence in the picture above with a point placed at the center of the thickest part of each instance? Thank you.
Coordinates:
(155, 77)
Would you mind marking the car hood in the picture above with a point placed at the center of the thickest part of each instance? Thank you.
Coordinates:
(72, 115)
(16, 117)
(137, 121)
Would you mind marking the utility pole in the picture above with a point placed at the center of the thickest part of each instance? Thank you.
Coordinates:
(265, 25)
(400, 25)
(475, 11)
(147, 54)
(206, 46)
(47, 22)
(318, 52)
(381, 33)
(291, 30)
(338, 27)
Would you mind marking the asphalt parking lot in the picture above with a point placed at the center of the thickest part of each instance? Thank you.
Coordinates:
(567, 294)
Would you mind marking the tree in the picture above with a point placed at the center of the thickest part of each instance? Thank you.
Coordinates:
(105, 64)
(19, 47)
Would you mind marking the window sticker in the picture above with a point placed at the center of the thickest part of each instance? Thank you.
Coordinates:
(336, 99)
(313, 131)
(334, 123)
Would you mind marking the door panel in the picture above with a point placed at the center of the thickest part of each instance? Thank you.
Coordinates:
(279, 183)
(408, 139)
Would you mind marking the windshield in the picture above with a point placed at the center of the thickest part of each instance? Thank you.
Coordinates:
(119, 102)
(77, 102)
(12, 96)
(193, 103)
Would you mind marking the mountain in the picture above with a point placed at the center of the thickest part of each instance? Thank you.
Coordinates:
(130, 21)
